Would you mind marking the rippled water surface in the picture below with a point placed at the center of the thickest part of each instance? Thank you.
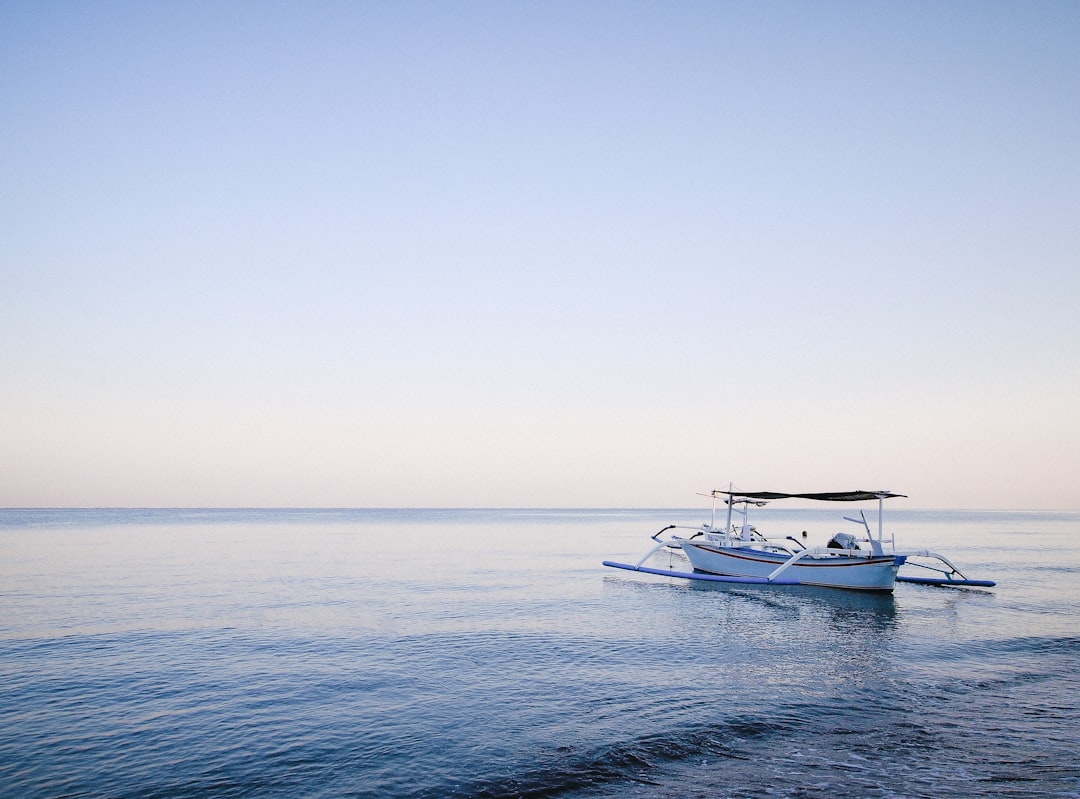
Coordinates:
(424, 653)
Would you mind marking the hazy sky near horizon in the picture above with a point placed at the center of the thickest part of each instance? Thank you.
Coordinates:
(538, 254)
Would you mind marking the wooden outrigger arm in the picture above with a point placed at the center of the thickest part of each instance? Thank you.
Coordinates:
(947, 580)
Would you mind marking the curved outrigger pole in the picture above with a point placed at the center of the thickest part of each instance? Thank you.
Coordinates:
(947, 580)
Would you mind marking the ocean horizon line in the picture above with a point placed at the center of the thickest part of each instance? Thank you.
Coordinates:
(806, 505)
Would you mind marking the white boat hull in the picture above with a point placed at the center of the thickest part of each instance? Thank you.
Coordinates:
(873, 573)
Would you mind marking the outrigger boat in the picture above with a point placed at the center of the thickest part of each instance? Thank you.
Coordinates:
(738, 553)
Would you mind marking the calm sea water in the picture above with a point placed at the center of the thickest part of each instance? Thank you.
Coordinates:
(425, 653)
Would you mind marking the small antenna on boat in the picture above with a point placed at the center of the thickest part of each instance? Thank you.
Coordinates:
(861, 520)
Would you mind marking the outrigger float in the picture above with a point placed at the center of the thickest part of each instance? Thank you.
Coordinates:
(738, 553)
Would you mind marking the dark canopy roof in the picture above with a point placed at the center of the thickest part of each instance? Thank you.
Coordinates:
(835, 496)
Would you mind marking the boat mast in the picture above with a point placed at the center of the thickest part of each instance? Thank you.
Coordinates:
(730, 502)
(880, 523)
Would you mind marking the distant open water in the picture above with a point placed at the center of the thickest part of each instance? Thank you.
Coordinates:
(424, 653)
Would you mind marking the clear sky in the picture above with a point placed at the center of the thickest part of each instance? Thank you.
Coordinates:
(538, 254)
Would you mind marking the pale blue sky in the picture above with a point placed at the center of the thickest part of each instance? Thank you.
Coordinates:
(543, 254)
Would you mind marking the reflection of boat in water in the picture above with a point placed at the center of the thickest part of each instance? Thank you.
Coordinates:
(738, 553)
(868, 610)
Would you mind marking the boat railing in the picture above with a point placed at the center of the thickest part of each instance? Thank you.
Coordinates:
(734, 538)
